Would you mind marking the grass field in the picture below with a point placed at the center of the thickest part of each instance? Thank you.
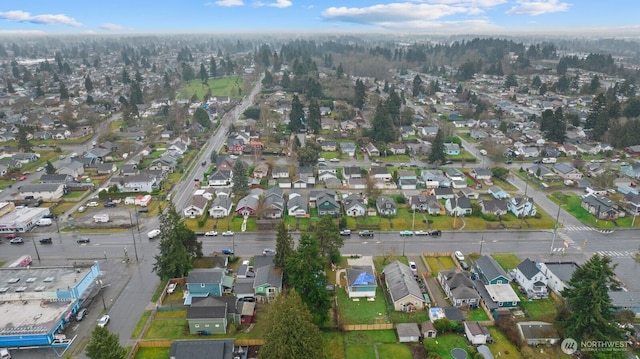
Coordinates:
(369, 337)
(507, 261)
(140, 325)
(538, 309)
(477, 315)
(360, 352)
(443, 344)
(152, 353)
(226, 86)
(571, 203)
(501, 344)
(333, 345)
(362, 311)
(394, 351)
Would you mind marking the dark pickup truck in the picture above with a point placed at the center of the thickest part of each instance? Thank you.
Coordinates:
(46, 241)
(365, 233)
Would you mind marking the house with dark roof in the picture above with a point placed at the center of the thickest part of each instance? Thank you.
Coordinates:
(459, 288)
(55, 178)
(386, 206)
(326, 202)
(426, 203)
(354, 205)
(297, 205)
(541, 172)
(601, 207)
(489, 271)
(273, 206)
(208, 282)
(209, 315)
(566, 171)
(443, 193)
(351, 172)
(220, 178)
(196, 207)
(143, 182)
(267, 283)
(538, 333)
(497, 207)
(210, 348)
(626, 300)
(522, 207)
(458, 206)
(361, 282)
(46, 192)
(531, 278)
(558, 274)
(248, 205)
(221, 206)
(481, 174)
(403, 289)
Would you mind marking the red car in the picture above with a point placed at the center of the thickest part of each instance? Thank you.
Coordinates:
(11, 236)
(22, 178)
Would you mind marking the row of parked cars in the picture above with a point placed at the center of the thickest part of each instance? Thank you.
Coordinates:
(369, 233)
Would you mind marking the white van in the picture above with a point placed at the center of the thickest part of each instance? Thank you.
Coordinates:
(4, 354)
(44, 222)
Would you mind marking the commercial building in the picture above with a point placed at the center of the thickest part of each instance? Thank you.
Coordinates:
(19, 219)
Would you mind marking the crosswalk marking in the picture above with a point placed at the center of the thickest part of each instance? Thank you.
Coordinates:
(619, 254)
(577, 228)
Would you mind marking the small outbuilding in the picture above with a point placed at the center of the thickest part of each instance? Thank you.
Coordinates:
(428, 330)
(408, 332)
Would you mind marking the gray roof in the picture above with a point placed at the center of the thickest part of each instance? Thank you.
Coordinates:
(625, 299)
(222, 201)
(528, 268)
(298, 201)
(400, 281)
(40, 187)
(207, 307)
(562, 270)
(407, 330)
(268, 275)
(355, 271)
(564, 168)
(538, 330)
(214, 348)
(489, 267)
(209, 275)
(493, 205)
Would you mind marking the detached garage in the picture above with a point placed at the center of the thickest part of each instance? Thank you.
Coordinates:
(408, 332)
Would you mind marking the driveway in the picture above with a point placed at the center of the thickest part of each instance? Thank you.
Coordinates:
(438, 298)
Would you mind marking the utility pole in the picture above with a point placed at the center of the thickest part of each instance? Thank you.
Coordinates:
(481, 243)
(34, 246)
(555, 231)
(526, 187)
(135, 248)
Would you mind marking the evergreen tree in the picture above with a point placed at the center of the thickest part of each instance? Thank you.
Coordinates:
(360, 95)
(10, 88)
(339, 71)
(174, 259)
(267, 81)
(49, 169)
(511, 80)
(305, 270)
(285, 81)
(291, 333)
(104, 345)
(417, 86)
(88, 84)
(313, 122)
(296, 116)
(23, 141)
(200, 116)
(213, 70)
(39, 90)
(590, 314)
(284, 246)
(382, 125)
(64, 93)
(327, 234)
(204, 75)
(240, 181)
(438, 154)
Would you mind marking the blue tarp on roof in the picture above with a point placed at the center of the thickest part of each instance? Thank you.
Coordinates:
(364, 278)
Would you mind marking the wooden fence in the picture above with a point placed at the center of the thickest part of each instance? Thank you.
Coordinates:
(354, 327)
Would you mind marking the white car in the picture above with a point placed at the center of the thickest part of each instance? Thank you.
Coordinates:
(211, 233)
(421, 233)
(92, 204)
(102, 322)
(334, 160)
(459, 256)
(39, 169)
(227, 233)
(414, 268)
(153, 233)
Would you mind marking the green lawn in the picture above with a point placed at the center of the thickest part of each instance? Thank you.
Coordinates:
(152, 353)
(226, 86)
(447, 262)
(501, 344)
(140, 325)
(571, 203)
(434, 265)
(360, 352)
(418, 316)
(370, 337)
(538, 309)
(507, 261)
(362, 311)
(394, 351)
(333, 345)
(168, 329)
(443, 344)
(381, 262)
(477, 315)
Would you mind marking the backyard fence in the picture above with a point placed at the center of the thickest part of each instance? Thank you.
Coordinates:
(354, 327)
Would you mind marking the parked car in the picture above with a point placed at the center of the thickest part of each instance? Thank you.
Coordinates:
(39, 169)
(82, 209)
(406, 233)
(421, 233)
(459, 256)
(227, 251)
(143, 210)
(414, 268)
(22, 178)
(227, 233)
(46, 241)
(102, 322)
(81, 314)
(211, 233)
(435, 232)
(365, 233)
(92, 204)
(153, 233)
(268, 251)
(345, 232)
(109, 204)
(334, 160)
(83, 240)
(464, 265)
(11, 236)
(17, 240)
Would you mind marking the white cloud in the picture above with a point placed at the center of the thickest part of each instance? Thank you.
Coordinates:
(463, 26)
(111, 27)
(281, 4)
(395, 12)
(536, 8)
(22, 33)
(48, 19)
(225, 3)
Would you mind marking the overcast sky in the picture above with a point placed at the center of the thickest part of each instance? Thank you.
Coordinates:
(417, 16)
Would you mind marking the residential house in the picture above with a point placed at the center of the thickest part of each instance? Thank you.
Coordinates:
(207, 282)
(443, 193)
(601, 207)
(209, 315)
(468, 193)
(273, 206)
(214, 348)
(632, 170)
(429, 131)
(497, 207)
(386, 206)
(354, 206)
(633, 203)
(142, 182)
(106, 168)
(261, 170)
(372, 150)
(26, 157)
(531, 278)
(458, 286)
(481, 174)
(348, 148)
(538, 333)
(167, 162)
(558, 274)
(498, 193)
(452, 149)
(404, 291)
(566, 171)
(326, 202)
(47, 192)
(220, 178)
(428, 329)
(407, 180)
(221, 206)
(351, 172)
(408, 332)
(178, 147)
(397, 148)
(489, 271)
(361, 282)
(297, 205)
(98, 153)
(248, 205)
(407, 131)
(478, 134)
(128, 170)
(267, 283)
(458, 206)
(55, 178)
(348, 125)
(279, 172)
(522, 207)
(196, 207)
(476, 333)
(329, 145)
(541, 172)
(626, 300)
(307, 174)
(380, 173)
(500, 296)
(424, 203)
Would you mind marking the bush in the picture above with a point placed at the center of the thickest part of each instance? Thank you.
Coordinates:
(510, 329)
(489, 217)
